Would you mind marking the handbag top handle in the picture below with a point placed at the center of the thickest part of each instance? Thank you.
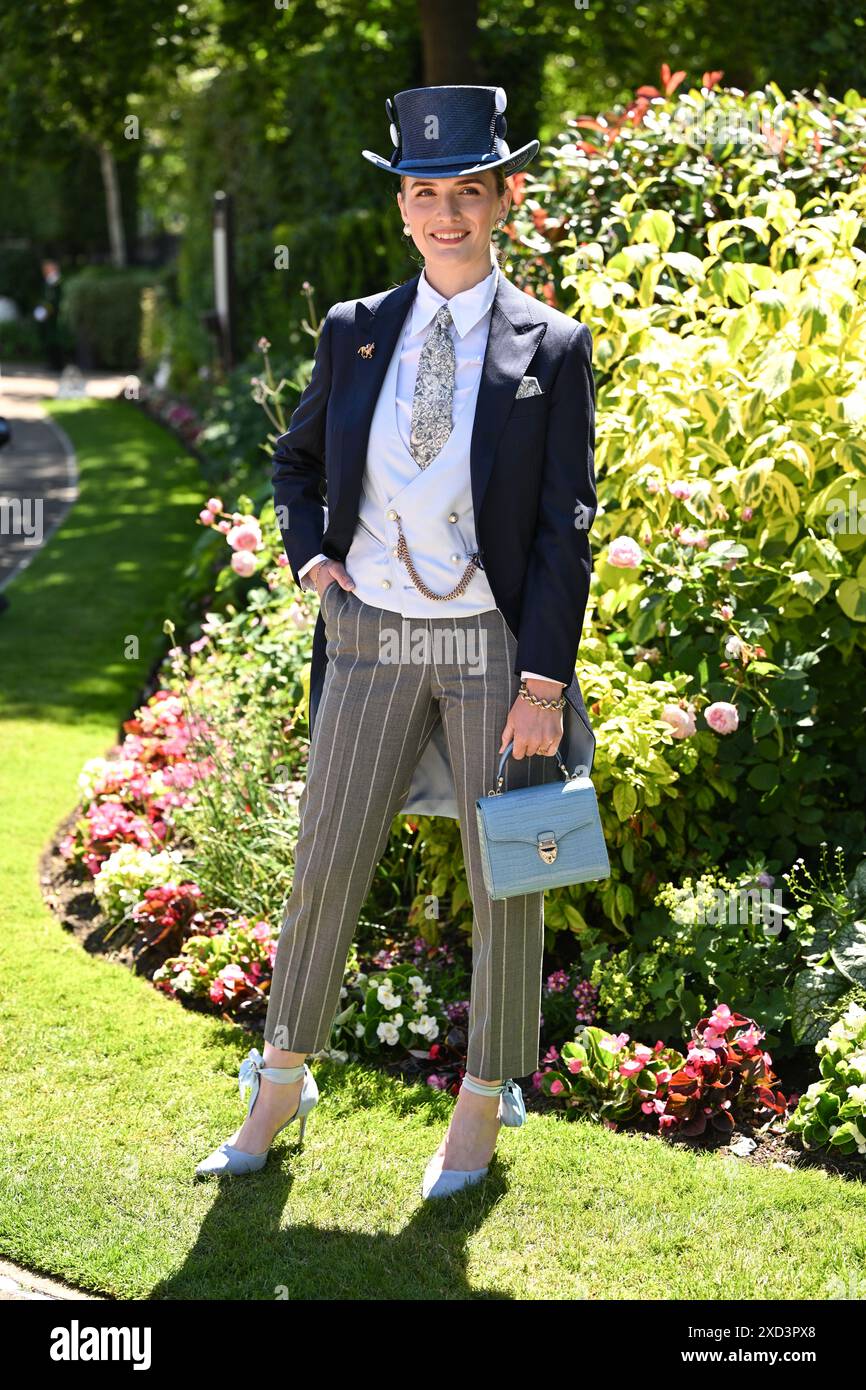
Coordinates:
(581, 770)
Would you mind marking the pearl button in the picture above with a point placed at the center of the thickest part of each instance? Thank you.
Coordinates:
(391, 515)
(455, 558)
(452, 516)
(386, 583)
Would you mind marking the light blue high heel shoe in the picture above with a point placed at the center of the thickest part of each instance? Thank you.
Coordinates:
(442, 1182)
(228, 1159)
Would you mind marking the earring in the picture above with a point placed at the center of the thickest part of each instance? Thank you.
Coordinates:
(406, 229)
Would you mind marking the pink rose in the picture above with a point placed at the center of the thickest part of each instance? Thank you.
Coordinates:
(692, 537)
(722, 717)
(206, 518)
(215, 504)
(625, 553)
(726, 611)
(244, 563)
(747, 513)
(682, 721)
(679, 488)
(224, 526)
(246, 536)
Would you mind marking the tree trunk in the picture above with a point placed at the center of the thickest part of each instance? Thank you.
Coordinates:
(449, 29)
(116, 237)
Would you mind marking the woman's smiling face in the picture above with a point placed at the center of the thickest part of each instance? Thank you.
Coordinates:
(451, 219)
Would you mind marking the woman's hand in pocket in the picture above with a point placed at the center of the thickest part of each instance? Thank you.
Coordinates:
(330, 571)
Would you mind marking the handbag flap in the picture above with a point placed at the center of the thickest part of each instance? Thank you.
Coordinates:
(528, 812)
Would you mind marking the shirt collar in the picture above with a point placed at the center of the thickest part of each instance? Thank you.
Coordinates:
(467, 308)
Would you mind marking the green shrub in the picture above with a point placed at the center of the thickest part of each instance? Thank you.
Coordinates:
(832, 1113)
(101, 307)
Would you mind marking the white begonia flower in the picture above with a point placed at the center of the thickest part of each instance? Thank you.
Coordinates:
(359, 1029)
(184, 980)
(858, 1093)
(387, 1033)
(416, 982)
(858, 1063)
(387, 998)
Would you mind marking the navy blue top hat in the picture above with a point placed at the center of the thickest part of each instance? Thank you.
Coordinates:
(442, 132)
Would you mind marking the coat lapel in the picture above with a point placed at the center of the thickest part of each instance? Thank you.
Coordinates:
(512, 342)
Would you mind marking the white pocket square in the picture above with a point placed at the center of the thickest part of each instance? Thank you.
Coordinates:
(528, 387)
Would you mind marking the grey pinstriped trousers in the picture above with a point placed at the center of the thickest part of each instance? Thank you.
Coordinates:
(374, 718)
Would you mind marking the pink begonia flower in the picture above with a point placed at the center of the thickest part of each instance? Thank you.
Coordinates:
(260, 932)
(206, 518)
(247, 536)
(556, 1087)
(625, 553)
(574, 1063)
(642, 1052)
(663, 1075)
(613, 1043)
(653, 484)
(720, 1018)
(678, 487)
(722, 717)
(244, 563)
(631, 1067)
(682, 721)
(726, 611)
(215, 504)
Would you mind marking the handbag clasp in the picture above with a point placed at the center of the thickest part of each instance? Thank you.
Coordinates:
(547, 847)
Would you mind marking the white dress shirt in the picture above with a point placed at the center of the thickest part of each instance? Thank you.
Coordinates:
(371, 548)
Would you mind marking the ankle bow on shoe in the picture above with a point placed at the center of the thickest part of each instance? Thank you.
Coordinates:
(512, 1109)
(253, 1067)
(443, 1182)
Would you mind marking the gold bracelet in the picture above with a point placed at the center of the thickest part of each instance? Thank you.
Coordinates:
(543, 702)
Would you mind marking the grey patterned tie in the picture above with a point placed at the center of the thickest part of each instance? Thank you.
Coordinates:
(434, 392)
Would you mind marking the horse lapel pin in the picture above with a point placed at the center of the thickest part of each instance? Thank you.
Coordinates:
(366, 350)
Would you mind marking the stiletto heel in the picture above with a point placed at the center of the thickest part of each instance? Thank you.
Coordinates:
(442, 1182)
(226, 1158)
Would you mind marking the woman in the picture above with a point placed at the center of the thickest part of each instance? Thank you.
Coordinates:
(436, 486)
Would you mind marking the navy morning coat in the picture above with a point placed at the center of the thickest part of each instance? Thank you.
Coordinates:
(532, 478)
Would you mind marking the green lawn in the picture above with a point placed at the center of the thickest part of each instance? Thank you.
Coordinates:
(111, 1093)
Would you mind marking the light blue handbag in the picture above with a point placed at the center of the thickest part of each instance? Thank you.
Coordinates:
(541, 837)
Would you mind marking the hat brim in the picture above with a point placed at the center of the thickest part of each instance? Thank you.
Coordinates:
(509, 164)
